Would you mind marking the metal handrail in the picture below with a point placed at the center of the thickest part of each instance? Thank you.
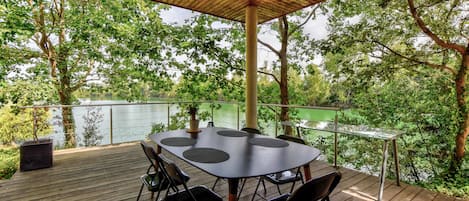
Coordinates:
(169, 103)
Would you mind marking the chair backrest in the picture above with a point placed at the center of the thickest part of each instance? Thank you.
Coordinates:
(293, 125)
(150, 154)
(174, 174)
(251, 130)
(316, 188)
(291, 139)
(210, 124)
(172, 170)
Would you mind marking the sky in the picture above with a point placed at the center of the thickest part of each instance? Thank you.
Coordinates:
(316, 28)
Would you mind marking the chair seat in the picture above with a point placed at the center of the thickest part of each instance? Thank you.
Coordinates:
(201, 193)
(153, 181)
(283, 177)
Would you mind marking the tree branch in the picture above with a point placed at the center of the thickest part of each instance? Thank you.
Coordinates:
(82, 81)
(262, 72)
(461, 28)
(434, 37)
(269, 47)
(453, 6)
(435, 66)
(313, 13)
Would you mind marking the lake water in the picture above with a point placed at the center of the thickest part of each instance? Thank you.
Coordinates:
(134, 122)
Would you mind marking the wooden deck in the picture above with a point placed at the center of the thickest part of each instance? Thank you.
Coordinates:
(112, 173)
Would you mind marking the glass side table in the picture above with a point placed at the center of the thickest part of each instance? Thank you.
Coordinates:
(362, 131)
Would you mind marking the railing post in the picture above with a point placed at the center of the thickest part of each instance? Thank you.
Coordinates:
(335, 139)
(169, 117)
(212, 111)
(276, 123)
(237, 122)
(110, 124)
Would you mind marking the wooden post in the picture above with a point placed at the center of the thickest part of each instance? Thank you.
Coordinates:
(251, 66)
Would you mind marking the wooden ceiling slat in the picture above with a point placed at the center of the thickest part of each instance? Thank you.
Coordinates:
(235, 9)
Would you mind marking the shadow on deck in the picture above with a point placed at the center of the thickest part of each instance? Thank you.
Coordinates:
(112, 173)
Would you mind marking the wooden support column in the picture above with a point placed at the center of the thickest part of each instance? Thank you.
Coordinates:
(251, 66)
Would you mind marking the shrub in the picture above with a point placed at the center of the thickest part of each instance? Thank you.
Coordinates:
(17, 124)
(9, 159)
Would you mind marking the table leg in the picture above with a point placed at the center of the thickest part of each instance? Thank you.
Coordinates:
(307, 172)
(382, 175)
(158, 149)
(233, 189)
(396, 162)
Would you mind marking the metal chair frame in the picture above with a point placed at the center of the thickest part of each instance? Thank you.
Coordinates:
(293, 180)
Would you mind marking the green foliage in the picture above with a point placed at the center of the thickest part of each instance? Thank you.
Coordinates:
(68, 43)
(384, 61)
(17, 124)
(27, 92)
(9, 161)
(157, 128)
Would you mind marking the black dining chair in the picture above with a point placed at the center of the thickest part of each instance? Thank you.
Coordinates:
(318, 188)
(154, 180)
(291, 124)
(285, 177)
(210, 124)
(195, 193)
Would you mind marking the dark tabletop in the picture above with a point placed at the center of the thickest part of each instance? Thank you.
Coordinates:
(245, 159)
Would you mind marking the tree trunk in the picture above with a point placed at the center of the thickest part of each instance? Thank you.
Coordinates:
(65, 96)
(463, 114)
(57, 59)
(283, 29)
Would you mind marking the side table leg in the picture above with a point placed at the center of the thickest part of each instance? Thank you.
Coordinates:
(382, 175)
(233, 189)
(396, 162)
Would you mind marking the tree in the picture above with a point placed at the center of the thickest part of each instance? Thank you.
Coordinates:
(377, 38)
(75, 42)
(292, 38)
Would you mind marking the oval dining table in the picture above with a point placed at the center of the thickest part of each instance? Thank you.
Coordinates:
(234, 155)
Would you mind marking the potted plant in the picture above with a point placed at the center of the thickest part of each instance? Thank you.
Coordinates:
(37, 153)
(193, 122)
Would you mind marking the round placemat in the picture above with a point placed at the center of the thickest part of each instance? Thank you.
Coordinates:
(206, 155)
(232, 133)
(267, 142)
(178, 141)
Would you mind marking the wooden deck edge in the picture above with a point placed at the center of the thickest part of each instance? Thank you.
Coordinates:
(100, 147)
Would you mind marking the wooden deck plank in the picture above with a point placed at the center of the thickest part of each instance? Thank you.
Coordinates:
(441, 197)
(112, 173)
(425, 195)
(407, 194)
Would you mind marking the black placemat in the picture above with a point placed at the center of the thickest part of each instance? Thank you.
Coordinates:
(267, 142)
(232, 133)
(206, 155)
(178, 141)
